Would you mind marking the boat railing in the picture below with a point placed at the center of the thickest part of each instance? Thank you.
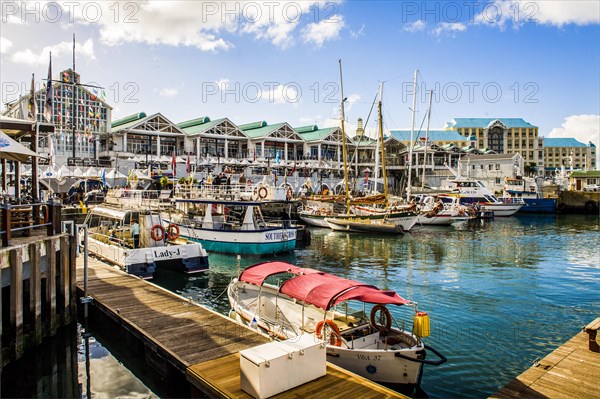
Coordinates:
(236, 192)
(27, 218)
(512, 200)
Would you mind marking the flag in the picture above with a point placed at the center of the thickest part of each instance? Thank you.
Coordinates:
(255, 154)
(104, 177)
(367, 176)
(293, 169)
(174, 163)
(32, 105)
(277, 157)
(187, 165)
(49, 93)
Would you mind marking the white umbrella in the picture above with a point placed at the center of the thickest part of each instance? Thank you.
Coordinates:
(78, 172)
(49, 173)
(92, 172)
(14, 151)
(63, 171)
(115, 174)
(180, 159)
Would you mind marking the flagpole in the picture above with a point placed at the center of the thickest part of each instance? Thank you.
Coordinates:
(73, 105)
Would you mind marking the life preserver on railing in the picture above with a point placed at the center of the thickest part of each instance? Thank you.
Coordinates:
(385, 318)
(335, 338)
(173, 231)
(157, 232)
(289, 193)
(262, 192)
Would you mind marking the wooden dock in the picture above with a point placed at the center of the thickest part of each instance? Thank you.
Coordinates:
(571, 371)
(202, 344)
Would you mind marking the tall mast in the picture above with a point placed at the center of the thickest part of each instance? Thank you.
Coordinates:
(426, 139)
(344, 151)
(74, 106)
(382, 145)
(412, 136)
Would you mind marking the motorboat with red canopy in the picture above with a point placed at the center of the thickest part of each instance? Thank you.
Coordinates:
(308, 301)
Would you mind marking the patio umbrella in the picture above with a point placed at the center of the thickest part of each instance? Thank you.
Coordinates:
(13, 150)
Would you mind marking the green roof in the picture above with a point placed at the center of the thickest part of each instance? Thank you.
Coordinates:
(128, 119)
(589, 173)
(253, 125)
(485, 122)
(316, 135)
(259, 129)
(194, 122)
(199, 127)
(363, 140)
(306, 129)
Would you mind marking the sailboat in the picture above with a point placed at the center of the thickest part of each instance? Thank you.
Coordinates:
(386, 220)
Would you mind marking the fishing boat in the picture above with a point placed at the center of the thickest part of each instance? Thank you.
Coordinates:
(471, 191)
(235, 227)
(360, 332)
(364, 225)
(112, 237)
(526, 191)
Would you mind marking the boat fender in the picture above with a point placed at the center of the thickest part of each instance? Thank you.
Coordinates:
(385, 318)
(157, 232)
(421, 325)
(289, 193)
(173, 232)
(262, 192)
(335, 338)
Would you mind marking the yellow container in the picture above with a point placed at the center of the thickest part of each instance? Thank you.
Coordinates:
(421, 326)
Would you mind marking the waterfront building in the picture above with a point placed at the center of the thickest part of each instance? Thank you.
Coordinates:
(277, 142)
(504, 136)
(321, 144)
(568, 153)
(79, 114)
(580, 180)
(492, 169)
(219, 138)
(141, 138)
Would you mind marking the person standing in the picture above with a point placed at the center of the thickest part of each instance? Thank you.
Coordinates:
(135, 233)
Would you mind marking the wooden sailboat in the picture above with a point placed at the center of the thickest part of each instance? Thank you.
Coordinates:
(381, 220)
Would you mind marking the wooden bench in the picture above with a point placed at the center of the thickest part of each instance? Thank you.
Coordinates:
(591, 330)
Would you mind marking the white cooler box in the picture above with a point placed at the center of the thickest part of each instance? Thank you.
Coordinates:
(272, 368)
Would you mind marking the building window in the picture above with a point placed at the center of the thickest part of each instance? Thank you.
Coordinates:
(497, 166)
(498, 180)
(490, 167)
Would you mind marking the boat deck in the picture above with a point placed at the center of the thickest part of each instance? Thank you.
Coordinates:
(571, 371)
(202, 344)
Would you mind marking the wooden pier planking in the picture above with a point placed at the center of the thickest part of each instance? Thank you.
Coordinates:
(571, 371)
(221, 378)
(201, 343)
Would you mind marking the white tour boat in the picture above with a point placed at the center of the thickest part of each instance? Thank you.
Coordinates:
(111, 237)
(471, 191)
(369, 341)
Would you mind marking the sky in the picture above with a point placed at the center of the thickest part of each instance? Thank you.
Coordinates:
(278, 61)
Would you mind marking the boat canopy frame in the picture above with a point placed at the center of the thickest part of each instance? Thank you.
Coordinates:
(317, 288)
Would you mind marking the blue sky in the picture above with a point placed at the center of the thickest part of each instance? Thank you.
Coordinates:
(535, 60)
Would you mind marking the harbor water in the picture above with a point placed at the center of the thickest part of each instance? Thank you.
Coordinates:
(500, 294)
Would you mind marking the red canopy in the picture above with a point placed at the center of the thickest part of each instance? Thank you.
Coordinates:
(256, 274)
(317, 288)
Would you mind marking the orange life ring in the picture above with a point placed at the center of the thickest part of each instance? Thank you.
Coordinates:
(157, 232)
(289, 193)
(173, 231)
(335, 339)
(262, 192)
(386, 316)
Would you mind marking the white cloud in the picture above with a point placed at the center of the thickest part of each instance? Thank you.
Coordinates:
(319, 32)
(351, 100)
(222, 84)
(5, 45)
(28, 57)
(281, 94)
(359, 33)
(416, 26)
(585, 128)
(168, 92)
(558, 12)
(448, 28)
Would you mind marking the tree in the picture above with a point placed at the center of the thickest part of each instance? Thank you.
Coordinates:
(531, 169)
